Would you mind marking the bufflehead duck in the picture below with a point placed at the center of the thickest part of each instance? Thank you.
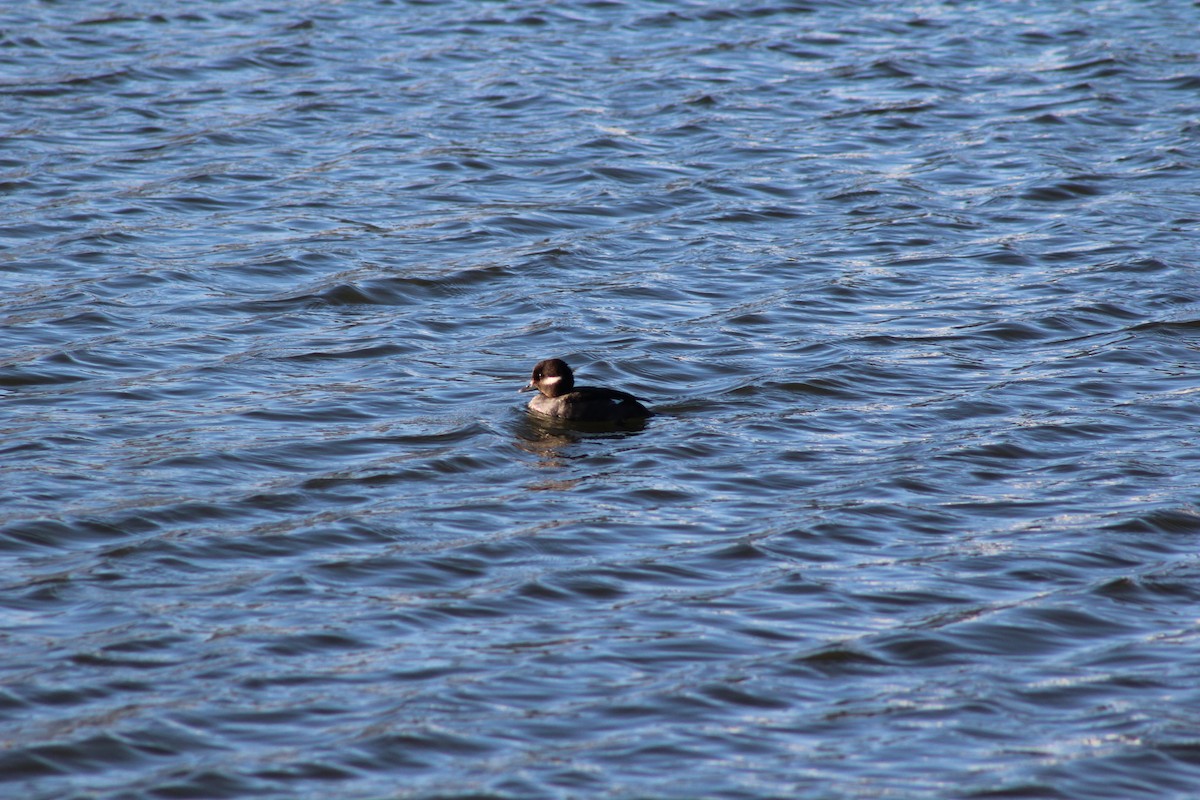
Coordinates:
(558, 396)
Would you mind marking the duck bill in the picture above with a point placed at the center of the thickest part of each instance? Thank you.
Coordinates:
(529, 387)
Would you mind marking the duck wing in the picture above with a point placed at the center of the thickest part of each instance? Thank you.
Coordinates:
(600, 402)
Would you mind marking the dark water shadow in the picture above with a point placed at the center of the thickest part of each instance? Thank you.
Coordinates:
(552, 439)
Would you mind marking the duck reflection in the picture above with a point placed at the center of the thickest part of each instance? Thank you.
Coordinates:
(555, 441)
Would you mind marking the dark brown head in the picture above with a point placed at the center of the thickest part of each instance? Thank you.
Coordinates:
(552, 378)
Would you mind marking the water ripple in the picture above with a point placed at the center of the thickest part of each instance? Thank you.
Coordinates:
(908, 288)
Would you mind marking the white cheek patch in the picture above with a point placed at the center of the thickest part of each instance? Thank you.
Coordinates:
(553, 379)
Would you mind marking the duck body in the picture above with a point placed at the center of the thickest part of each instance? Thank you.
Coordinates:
(559, 397)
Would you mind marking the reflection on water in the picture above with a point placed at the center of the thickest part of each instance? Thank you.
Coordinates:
(554, 441)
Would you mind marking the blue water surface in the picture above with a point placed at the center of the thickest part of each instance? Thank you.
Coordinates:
(911, 287)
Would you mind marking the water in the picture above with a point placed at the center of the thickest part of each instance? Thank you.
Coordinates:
(911, 287)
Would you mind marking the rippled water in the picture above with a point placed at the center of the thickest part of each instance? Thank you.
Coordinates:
(911, 286)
